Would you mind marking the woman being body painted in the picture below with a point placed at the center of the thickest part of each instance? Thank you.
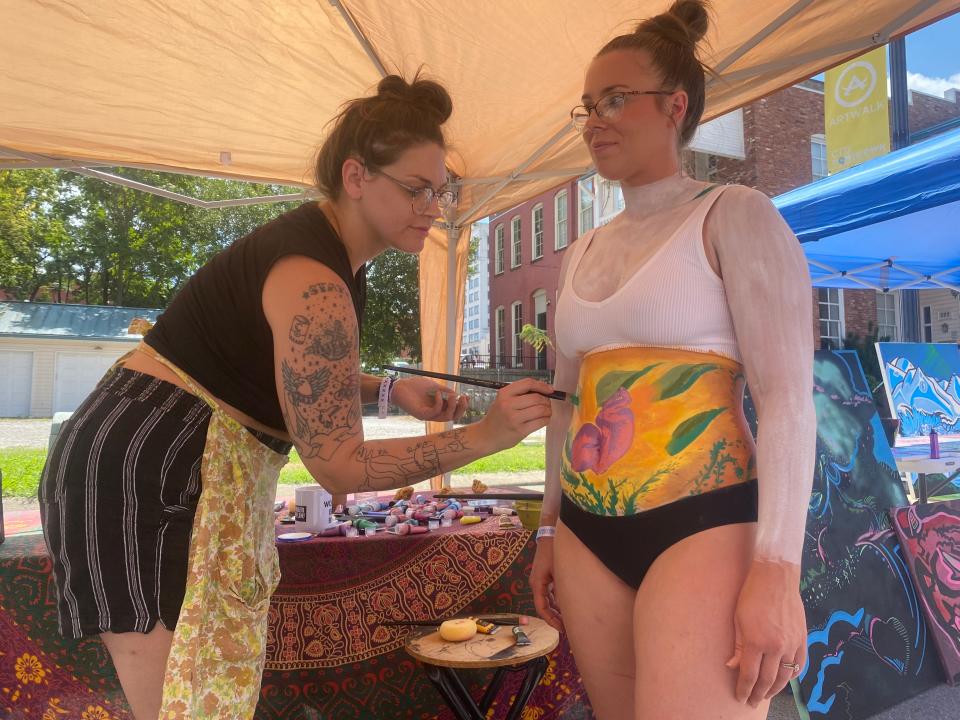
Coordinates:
(259, 349)
(677, 585)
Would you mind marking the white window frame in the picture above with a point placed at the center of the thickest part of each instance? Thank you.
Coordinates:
(516, 244)
(500, 337)
(498, 250)
(818, 165)
(895, 335)
(840, 320)
(516, 323)
(561, 223)
(536, 234)
(586, 188)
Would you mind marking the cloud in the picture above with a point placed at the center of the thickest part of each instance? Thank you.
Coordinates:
(932, 85)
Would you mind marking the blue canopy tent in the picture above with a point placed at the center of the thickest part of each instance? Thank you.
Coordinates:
(892, 223)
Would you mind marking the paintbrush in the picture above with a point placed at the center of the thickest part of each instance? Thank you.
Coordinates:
(496, 620)
(492, 384)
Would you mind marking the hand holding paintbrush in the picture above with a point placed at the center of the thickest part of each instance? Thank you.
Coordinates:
(478, 382)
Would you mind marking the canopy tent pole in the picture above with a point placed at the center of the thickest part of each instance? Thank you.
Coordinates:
(857, 47)
(361, 37)
(452, 361)
(750, 44)
(88, 169)
(468, 215)
(537, 175)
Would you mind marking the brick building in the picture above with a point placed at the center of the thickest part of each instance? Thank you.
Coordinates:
(774, 144)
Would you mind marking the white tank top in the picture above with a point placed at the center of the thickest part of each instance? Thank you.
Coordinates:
(675, 299)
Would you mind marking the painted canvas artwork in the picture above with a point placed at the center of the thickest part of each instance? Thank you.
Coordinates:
(930, 537)
(922, 381)
(868, 643)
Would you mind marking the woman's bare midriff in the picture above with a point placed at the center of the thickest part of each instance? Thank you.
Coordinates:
(142, 362)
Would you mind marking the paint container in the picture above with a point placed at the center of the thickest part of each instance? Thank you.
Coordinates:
(934, 445)
(433, 524)
(351, 531)
(314, 507)
(446, 521)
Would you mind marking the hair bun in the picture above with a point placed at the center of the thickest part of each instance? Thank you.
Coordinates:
(425, 94)
(692, 14)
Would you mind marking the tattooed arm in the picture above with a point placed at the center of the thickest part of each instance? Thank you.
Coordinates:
(317, 367)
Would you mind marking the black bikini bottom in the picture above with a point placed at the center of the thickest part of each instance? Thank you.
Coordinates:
(629, 544)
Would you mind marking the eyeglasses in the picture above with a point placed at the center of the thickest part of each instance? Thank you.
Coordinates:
(609, 107)
(422, 198)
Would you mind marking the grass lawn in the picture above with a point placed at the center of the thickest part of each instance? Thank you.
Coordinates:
(22, 467)
(520, 458)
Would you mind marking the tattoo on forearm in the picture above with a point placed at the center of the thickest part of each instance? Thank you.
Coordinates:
(383, 469)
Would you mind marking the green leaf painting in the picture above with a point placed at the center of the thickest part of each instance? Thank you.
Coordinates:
(613, 381)
(690, 429)
(680, 379)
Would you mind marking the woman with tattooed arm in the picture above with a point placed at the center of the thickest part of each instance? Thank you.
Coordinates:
(157, 496)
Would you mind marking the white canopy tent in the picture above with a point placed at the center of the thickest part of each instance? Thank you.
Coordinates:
(243, 88)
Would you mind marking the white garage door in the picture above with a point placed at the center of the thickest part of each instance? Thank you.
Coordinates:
(16, 371)
(76, 375)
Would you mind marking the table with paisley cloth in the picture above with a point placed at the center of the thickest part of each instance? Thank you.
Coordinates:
(328, 654)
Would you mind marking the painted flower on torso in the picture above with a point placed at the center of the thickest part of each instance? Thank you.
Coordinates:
(598, 446)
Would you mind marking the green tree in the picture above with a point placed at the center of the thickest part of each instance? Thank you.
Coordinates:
(138, 249)
(99, 243)
(391, 324)
(31, 230)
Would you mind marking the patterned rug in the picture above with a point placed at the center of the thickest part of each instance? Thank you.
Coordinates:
(41, 674)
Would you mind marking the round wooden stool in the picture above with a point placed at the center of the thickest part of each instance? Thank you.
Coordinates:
(441, 660)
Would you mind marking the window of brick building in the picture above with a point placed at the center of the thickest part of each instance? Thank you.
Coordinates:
(499, 331)
(927, 324)
(498, 250)
(887, 316)
(830, 301)
(818, 156)
(517, 312)
(560, 224)
(586, 206)
(515, 247)
(537, 232)
(705, 166)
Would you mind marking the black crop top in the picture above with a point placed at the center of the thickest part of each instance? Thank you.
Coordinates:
(215, 329)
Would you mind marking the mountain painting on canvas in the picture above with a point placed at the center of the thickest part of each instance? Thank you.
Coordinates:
(922, 381)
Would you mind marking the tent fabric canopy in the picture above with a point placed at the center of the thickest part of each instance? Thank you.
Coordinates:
(244, 88)
(889, 224)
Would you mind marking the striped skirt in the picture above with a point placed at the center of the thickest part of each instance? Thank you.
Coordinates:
(117, 498)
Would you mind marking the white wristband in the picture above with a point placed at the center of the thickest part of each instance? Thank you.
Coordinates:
(546, 531)
(383, 397)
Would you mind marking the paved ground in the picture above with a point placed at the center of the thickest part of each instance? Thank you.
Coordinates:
(34, 432)
(24, 433)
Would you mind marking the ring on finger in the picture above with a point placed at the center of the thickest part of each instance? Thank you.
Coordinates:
(794, 668)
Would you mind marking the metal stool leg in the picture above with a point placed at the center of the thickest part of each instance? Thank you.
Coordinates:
(492, 689)
(535, 672)
(452, 691)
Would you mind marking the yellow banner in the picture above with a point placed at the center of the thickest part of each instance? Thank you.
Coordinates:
(856, 111)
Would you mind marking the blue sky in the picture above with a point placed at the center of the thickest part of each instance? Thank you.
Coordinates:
(933, 61)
